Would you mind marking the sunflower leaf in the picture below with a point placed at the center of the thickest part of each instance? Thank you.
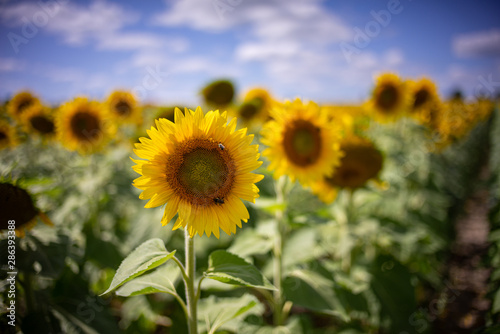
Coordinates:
(147, 256)
(229, 268)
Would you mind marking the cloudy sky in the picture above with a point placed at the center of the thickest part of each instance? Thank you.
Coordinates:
(165, 51)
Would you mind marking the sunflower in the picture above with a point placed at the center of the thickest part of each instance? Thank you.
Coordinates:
(218, 93)
(20, 103)
(17, 205)
(8, 136)
(352, 118)
(423, 94)
(38, 120)
(201, 167)
(361, 162)
(122, 105)
(256, 105)
(82, 125)
(389, 98)
(302, 142)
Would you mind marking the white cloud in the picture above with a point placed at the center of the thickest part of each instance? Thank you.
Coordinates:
(11, 65)
(478, 44)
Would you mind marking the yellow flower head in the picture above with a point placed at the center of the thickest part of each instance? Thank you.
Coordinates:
(38, 120)
(302, 142)
(361, 162)
(218, 93)
(83, 125)
(423, 94)
(17, 205)
(389, 99)
(8, 137)
(201, 168)
(123, 107)
(20, 103)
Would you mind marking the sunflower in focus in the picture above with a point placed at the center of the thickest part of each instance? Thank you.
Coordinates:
(423, 94)
(82, 125)
(20, 103)
(38, 120)
(361, 162)
(17, 205)
(201, 168)
(302, 142)
(123, 106)
(8, 136)
(218, 93)
(389, 99)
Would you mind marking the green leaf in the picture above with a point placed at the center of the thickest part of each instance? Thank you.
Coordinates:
(232, 269)
(251, 242)
(226, 313)
(162, 279)
(147, 256)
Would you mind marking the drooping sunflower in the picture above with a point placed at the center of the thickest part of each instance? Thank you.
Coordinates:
(423, 94)
(17, 205)
(123, 107)
(201, 168)
(361, 162)
(218, 93)
(302, 143)
(83, 125)
(20, 103)
(390, 98)
(38, 120)
(8, 137)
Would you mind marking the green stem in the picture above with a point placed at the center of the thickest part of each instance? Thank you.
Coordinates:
(190, 290)
(278, 254)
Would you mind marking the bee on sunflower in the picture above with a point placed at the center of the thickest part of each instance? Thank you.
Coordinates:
(17, 205)
(200, 166)
(38, 120)
(123, 107)
(361, 162)
(301, 142)
(20, 103)
(390, 98)
(8, 137)
(219, 93)
(83, 125)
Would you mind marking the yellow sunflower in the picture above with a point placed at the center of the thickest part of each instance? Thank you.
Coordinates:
(83, 125)
(256, 106)
(201, 168)
(38, 120)
(218, 93)
(123, 106)
(8, 137)
(361, 162)
(389, 99)
(17, 205)
(20, 103)
(302, 142)
(351, 118)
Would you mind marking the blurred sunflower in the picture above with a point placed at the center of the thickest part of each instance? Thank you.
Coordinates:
(218, 93)
(201, 168)
(352, 118)
(38, 120)
(302, 142)
(8, 137)
(17, 205)
(122, 106)
(81, 125)
(389, 99)
(255, 107)
(423, 94)
(20, 103)
(360, 163)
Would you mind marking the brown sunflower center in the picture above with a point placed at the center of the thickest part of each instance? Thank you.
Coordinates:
(302, 142)
(420, 98)
(123, 108)
(388, 97)
(3, 136)
(248, 111)
(24, 105)
(219, 93)
(16, 205)
(201, 171)
(85, 126)
(42, 124)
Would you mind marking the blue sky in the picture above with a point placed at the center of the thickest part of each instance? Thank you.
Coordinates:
(166, 51)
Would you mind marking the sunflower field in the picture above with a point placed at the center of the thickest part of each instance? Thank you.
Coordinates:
(251, 214)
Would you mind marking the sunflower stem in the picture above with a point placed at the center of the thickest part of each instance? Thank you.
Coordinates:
(190, 290)
(278, 253)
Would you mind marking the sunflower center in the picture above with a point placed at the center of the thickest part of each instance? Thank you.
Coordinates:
(42, 124)
(123, 108)
(24, 105)
(16, 205)
(219, 93)
(3, 136)
(201, 172)
(302, 142)
(85, 126)
(420, 98)
(248, 111)
(388, 97)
